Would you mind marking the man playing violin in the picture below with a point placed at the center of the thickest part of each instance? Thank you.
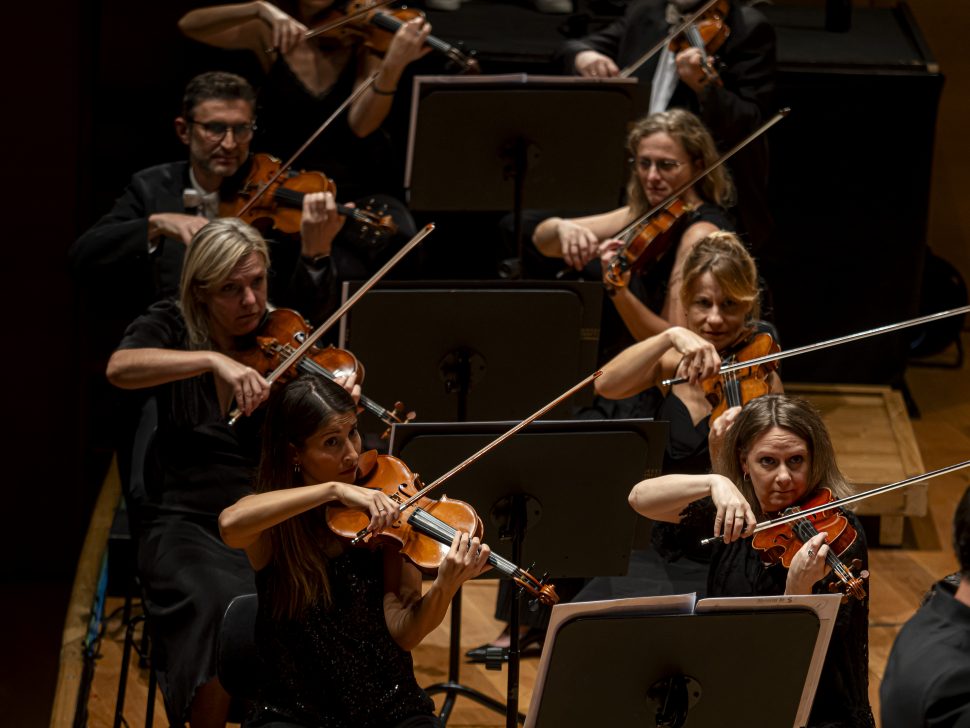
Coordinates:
(731, 109)
(777, 454)
(336, 624)
(135, 252)
(181, 355)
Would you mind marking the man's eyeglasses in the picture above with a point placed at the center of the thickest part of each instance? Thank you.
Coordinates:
(663, 166)
(215, 131)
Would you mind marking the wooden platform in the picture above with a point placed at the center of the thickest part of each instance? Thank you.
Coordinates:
(875, 445)
(900, 575)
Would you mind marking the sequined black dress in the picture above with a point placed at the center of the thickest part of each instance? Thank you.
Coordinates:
(338, 666)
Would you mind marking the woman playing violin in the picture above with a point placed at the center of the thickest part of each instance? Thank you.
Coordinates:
(181, 354)
(777, 454)
(667, 149)
(307, 79)
(720, 297)
(335, 624)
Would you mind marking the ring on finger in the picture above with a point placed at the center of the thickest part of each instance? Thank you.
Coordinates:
(811, 553)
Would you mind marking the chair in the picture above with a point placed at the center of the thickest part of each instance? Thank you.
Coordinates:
(237, 658)
(131, 468)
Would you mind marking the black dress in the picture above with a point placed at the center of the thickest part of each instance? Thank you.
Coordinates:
(842, 697)
(196, 466)
(337, 666)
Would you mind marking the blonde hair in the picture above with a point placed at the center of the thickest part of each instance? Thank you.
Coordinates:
(685, 128)
(214, 253)
(797, 417)
(723, 255)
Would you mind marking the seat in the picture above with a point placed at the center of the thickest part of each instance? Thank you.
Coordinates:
(237, 658)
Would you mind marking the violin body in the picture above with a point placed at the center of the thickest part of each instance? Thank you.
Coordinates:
(737, 388)
(779, 544)
(282, 332)
(280, 205)
(707, 33)
(645, 243)
(425, 530)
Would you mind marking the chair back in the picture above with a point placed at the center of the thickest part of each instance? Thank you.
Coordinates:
(237, 658)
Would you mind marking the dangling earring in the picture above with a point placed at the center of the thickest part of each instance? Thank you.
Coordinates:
(296, 467)
(747, 476)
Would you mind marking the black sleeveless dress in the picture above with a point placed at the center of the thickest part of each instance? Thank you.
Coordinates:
(337, 666)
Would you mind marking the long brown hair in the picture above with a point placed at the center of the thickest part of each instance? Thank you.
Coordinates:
(299, 565)
(685, 128)
(789, 413)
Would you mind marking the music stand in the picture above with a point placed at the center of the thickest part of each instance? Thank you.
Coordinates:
(529, 493)
(494, 142)
(659, 669)
(464, 351)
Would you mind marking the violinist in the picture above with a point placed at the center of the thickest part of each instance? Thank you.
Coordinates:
(307, 79)
(133, 255)
(927, 677)
(335, 624)
(721, 298)
(181, 353)
(777, 454)
(731, 109)
(666, 150)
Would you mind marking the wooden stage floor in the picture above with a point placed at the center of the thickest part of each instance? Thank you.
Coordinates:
(900, 576)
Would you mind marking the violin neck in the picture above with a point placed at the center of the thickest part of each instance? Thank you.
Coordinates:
(425, 523)
(294, 198)
(391, 24)
(309, 366)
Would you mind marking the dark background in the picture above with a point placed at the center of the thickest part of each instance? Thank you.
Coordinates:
(91, 91)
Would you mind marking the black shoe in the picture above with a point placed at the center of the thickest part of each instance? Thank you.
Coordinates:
(529, 643)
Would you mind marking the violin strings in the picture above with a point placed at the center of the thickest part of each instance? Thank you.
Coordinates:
(442, 532)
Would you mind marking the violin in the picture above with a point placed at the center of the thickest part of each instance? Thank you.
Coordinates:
(644, 243)
(280, 205)
(364, 21)
(707, 33)
(282, 332)
(425, 534)
(739, 386)
(779, 544)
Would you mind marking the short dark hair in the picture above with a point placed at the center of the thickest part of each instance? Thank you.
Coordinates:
(216, 85)
(961, 533)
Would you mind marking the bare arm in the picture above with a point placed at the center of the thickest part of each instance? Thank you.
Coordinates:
(408, 44)
(411, 616)
(665, 498)
(143, 368)
(576, 239)
(244, 524)
(254, 26)
(639, 367)
(640, 320)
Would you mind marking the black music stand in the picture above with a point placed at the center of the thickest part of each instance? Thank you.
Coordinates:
(533, 489)
(457, 351)
(488, 143)
(677, 671)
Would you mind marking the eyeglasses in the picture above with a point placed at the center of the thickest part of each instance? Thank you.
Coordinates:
(663, 165)
(215, 131)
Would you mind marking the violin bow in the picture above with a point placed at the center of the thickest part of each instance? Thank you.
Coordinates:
(490, 446)
(313, 137)
(728, 368)
(327, 27)
(632, 68)
(781, 520)
(335, 317)
(782, 113)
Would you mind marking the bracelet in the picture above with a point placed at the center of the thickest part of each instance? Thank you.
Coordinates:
(380, 91)
(316, 262)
